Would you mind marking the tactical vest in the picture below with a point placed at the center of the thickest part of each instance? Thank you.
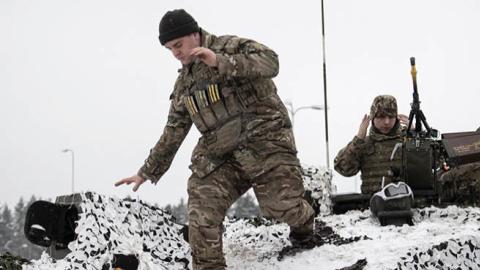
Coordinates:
(215, 107)
(376, 164)
(211, 105)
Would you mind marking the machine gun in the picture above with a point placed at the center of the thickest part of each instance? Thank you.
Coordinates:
(416, 112)
(421, 150)
(425, 157)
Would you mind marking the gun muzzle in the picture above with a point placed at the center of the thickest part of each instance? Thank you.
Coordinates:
(414, 70)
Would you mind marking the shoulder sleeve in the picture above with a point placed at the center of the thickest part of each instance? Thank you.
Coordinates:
(175, 131)
(347, 161)
(246, 58)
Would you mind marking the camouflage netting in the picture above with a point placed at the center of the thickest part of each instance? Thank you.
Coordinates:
(253, 240)
(452, 254)
(109, 226)
(318, 183)
(455, 253)
(440, 239)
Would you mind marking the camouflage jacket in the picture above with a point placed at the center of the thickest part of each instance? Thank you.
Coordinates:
(371, 156)
(236, 108)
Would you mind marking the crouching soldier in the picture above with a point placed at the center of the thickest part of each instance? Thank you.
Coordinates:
(225, 89)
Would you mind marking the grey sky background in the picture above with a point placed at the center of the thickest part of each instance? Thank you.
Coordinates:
(92, 76)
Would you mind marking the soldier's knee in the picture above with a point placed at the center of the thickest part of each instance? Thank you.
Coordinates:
(201, 216)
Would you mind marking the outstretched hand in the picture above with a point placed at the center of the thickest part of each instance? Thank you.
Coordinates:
(137, 180)
(206, 55)
(362, 130)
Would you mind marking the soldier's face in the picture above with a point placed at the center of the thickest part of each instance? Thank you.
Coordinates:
(384, 123)
(181, 47)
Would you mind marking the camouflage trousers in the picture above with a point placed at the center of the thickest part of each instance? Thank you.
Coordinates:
(279, 193)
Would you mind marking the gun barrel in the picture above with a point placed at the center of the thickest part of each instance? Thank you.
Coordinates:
(414, 74)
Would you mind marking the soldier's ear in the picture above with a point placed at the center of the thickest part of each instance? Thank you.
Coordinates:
(196, 36)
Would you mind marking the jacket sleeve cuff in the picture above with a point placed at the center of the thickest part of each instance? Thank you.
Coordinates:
(357, 141)
(142, 173)
(225, 65)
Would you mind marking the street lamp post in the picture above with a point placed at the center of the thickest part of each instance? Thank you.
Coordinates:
(293, 110)
(73, 167)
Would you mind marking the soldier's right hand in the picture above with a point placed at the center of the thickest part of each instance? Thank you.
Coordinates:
(138, 180)
(403, 119)
(362, 130)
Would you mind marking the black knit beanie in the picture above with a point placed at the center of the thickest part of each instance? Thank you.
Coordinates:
(175, 24)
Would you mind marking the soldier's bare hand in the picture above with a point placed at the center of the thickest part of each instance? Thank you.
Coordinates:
(137, 180)
(205, 55)
(362, 130)
(403, 119)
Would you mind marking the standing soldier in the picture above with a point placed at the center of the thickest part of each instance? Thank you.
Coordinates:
(225, 88)
(371, 154)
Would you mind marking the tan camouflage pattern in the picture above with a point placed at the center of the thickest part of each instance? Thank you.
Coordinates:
(266, 127)
(384, 105)
(371, 156)
(278, 192)
(253, 148)
(459, 183)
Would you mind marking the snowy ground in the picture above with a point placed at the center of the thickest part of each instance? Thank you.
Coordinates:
(440, 239)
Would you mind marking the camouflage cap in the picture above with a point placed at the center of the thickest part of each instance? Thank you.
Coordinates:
(384, 105)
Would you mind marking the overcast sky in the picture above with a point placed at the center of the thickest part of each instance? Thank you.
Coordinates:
(91, 76)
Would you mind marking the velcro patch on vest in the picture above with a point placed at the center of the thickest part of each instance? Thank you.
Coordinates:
(247, 97)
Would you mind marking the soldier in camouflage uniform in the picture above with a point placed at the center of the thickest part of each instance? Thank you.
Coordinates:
(371, 154)
(225, 88)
